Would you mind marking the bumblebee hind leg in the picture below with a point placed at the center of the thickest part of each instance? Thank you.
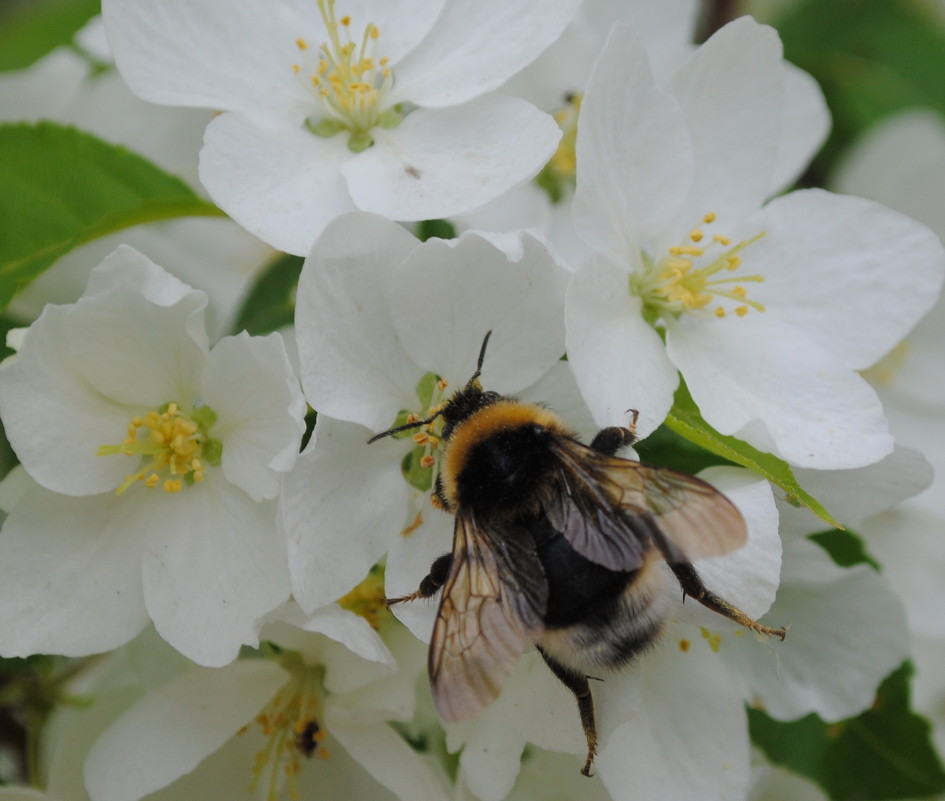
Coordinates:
(578, 684)
(610, 440)
(431, 583)
(692, 585)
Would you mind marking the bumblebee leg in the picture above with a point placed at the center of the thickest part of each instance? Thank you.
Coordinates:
(578, 685)
(610, 440)
(692, 585)
(431, 583)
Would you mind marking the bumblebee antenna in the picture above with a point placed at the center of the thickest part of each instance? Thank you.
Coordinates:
(405, 427)
(418, 423)
(482, 356)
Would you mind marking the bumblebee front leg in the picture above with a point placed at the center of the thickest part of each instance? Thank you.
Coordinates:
(692, 585)
(431, 583)
(578, 684)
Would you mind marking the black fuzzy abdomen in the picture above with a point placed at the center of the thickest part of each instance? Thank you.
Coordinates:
(579, 590)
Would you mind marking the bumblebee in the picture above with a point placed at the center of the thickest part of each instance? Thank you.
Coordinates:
(557, 545)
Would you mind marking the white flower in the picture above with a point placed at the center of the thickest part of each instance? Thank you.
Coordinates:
(386, 326)
(768, 310)
(123, 386)
(385, 110)
(556, 81)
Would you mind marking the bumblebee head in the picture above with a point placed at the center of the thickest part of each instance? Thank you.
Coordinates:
(461, 404)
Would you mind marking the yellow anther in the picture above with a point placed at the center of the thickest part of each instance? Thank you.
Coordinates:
(427, 461)
(722, 240)
(157, 436)
(345, 20)
(741, 311)
(733, 262)
(686, 250)
(173, 485)
(198, 476)
(442, 384)
(301, 44)
(709, 218)
(719, 312)
(421, 438)
(151, 481)
(296, 69)
(684, 645)
(695, 235)
(739, 292)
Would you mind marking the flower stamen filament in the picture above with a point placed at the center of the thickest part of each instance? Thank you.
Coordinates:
(677, 283)
(169, 443)
(349, 81)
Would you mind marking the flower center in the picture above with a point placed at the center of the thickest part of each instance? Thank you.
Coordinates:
(171, 445)
(888, 369)
(290, 723)
(350, 82)
(696, 275)
(368, 599)
(559, 173)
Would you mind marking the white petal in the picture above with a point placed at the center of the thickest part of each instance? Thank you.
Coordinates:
(222, 55)
(533, 707)
(900, 161)
(248, 382)
(689, 740)
(832, 268)
(618, 361)
(440, 162)
(908, 544)
(50, 410)
(342, 504)
(215, 563)
(388, 758)
(279, 181)
(353, 365)
(634, 153)
(71, 575)
(747, 577)
(546, 772)
(852, 496)
(408, 562)
(478, 288)
(805, 123)
(475, 45)
(351, 651)
(814, 411)
(731, 93)
(847, 632)
(158, 321)
(173, 728)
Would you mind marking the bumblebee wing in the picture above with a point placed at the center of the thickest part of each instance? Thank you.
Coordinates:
(612, 510)
(491, 610)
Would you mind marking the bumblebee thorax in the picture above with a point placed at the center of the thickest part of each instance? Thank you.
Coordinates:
(497, 458)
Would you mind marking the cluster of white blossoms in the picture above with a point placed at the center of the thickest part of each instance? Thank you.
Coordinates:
(219, 575)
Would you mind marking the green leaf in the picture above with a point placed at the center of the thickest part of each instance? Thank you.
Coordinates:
(60, 187)
(871, 59)
(427, 229)
(30, 30)
(884, 753)
(845, 548)
(685, 419)
(270, 302)
(665, 448)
